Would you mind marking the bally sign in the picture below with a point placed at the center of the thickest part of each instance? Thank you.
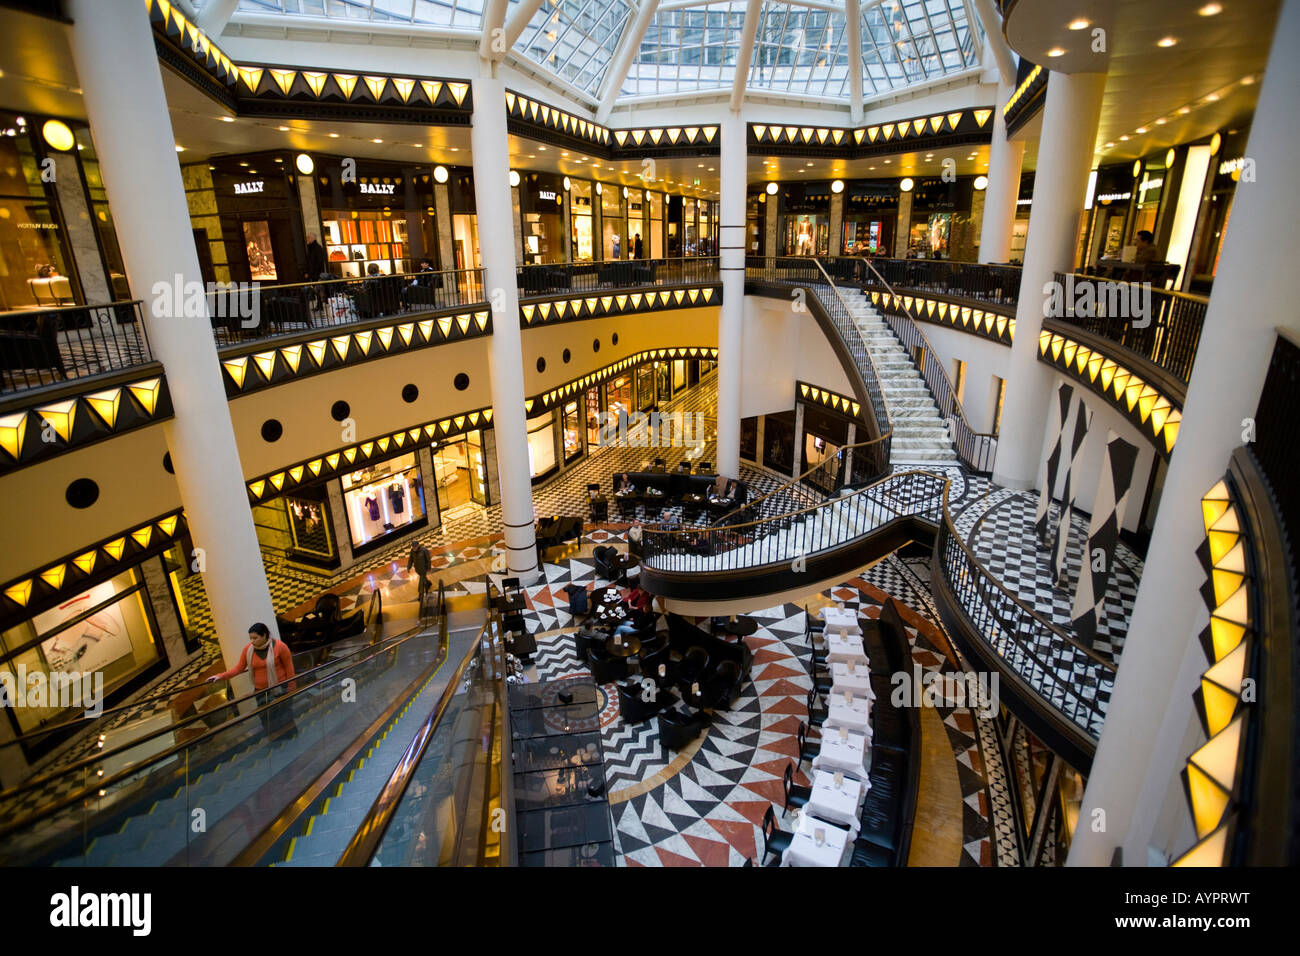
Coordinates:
(243, 189)
(378, 189)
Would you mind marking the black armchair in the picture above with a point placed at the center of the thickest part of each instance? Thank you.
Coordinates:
(676, 729)
(692, 666)
(635, 705)
(606, 560)
(722, 689)
(587, 637)
(606, 668)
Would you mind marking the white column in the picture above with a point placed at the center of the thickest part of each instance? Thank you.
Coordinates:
(1065, 152)
(1150, 712)
(491, 154)
(133, 136)
(731, 250)
(1003, 190)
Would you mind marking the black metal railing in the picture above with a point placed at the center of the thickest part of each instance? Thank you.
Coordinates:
(264, 311)
(42, 347)
(977, 449)
(1160, 326)
(1017, 634)
(970, 280)
(810, 274)
(538, 280)
(780, 539)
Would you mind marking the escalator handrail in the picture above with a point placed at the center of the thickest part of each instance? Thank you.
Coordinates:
(154, 698)
(136, 769)
(370, 833)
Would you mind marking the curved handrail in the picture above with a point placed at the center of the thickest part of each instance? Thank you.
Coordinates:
(969, 577)
(985, 282)
(798, 482)
(375, 616)
(135, 769)
(977, 449)
(872, 381)
(855, 514)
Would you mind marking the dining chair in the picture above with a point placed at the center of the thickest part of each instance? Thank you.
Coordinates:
(775, 840)
(822, 679)
(816, 714)
(808, 750)
(795, 795)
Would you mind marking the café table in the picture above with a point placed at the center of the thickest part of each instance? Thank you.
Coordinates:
(855, 715)
(852, 678)
(836, 804)
(741, 627)
(840, 617)
(845, 649)
(624, 645)
(611, 613)
(849, 756)
(803, 849)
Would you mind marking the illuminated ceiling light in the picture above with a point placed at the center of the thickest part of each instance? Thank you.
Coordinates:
(1056, 51)
(180, 149)
(440, 173)
(1079, 23)
(1124, 138)
(305, 164)
(1215, 142)
(376, 141)
(1169, 157)
(981, 182)
(1162, 121)
(905, 184)
(1137, 168)
(58, 135)
(1166, 41)
(1212, 98)
(837, 186)
(334, 135)
(1141, 129)
(227, 119)
(514, 178)
(567, 184)
(1210, 10)
(772, 188)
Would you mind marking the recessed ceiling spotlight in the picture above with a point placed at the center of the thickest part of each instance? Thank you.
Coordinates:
(1166, 41)
(334, 135)
(1212, 98)
(1247, 81)
(227, 119)
(180, 149)
(376, 141)
(1184, 110)
(1211, 10)
(1056, 51)
(1162, 121)
(283, 129)
(541, 149)
(1109, 146)
(1124, 138)
(1141, 129)
(1079, 23)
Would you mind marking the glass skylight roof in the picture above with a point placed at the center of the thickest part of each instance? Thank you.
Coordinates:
(801, 49)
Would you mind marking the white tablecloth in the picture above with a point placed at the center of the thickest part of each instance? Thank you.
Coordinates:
(857, 682)
(804, 850)
(845, 650)
(839, 805)
(849, 757)
(856, 715)
(837, 618)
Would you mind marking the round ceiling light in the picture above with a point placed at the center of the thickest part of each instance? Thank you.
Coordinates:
(566, 184)
(1169, 157)
(1137, 168)
(440, 173)
(1215, 143)
(514, 178)
(837, 186)
(58, 135)
(905, 184)
(981, 182)
(598, 189)
(772, 188)
(305, 164)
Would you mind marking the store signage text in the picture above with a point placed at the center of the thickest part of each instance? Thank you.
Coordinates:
(1111, 197)
(378, 189)
(252, 186)
(546, 194)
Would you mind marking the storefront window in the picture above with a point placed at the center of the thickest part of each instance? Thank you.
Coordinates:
(805, 220)
(755, 205)
(106, 631)
(679, 375)
(870, 214)
(611, 221)
(541, 444)
(103, 216)
(34, 269)
(458, 470)
(383, 217)
(541, 203)
(690, 226)
(656, 225)
(619, 395)
(706, 229)
(636, 223)
(593, 416)
(748, 438)
(383, 499)
(929, 235)
(572, 436)
(778, 442)
(186, 586)
(580, 198)
(645, 386)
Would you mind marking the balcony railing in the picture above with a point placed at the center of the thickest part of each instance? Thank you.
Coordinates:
(1160, 326)
(259, 312)
(970, 280)
(53, 345)
(560, 277)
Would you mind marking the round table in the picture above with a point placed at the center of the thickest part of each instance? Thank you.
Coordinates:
(627, 646)
(741, 627)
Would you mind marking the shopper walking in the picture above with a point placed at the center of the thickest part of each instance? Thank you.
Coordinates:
(271, 664)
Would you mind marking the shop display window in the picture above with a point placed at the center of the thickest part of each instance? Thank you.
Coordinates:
(580, 218)
(572, 436)
(383, 499)
(355, 240)
(107, 631)
(592, 401)
(748, 438)
(611, 222)
(778, 442)
(541, 444)
(929, 235)
(656, 203)
(34, 270)
(618, 394)
(645, 386)
(187, 590)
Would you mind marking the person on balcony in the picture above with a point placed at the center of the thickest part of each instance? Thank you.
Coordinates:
(1146, 248)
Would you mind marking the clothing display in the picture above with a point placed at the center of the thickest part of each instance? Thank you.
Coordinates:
(396, 497)
(372, 507)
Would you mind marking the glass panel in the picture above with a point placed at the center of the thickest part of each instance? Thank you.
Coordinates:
(541, 444)
(383, 498)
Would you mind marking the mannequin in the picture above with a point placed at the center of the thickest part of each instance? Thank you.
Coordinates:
(803, 242)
